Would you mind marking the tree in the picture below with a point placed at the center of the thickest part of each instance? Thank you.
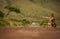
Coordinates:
(12, 8)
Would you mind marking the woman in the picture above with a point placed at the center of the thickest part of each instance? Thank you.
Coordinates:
(51, 20)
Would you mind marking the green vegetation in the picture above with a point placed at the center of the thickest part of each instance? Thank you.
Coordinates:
(23, 12)
(23, 22)
(11, 8)
(4, 22)
(1, 14)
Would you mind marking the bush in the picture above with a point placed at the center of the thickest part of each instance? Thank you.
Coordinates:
(43, 22)
(22, 22)
(25, 22)
(4, 22)
(1, 14)
(13, 8)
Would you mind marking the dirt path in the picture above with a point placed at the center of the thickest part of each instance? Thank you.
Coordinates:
(30, 33)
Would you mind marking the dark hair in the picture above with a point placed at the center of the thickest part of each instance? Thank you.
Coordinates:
(52, 15)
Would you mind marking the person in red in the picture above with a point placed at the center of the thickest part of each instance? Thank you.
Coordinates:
(51, 21)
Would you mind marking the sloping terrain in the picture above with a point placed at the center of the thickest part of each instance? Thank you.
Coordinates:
(32, 10)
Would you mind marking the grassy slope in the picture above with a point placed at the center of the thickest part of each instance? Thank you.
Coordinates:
(38, 9)
(33, 10)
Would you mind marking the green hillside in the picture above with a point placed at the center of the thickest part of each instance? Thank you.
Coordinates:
(32, 10)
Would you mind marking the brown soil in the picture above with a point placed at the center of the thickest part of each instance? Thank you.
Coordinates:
(30, 33)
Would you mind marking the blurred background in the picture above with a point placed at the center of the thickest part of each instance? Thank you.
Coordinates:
(24, 12)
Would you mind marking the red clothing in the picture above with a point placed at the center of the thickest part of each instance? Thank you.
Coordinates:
(52, 22)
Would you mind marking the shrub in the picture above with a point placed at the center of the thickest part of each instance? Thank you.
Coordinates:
(1, 14)
(25, 22)
(4, 22)
(22, 22)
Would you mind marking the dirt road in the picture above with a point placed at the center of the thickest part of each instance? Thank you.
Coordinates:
(30, 33)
